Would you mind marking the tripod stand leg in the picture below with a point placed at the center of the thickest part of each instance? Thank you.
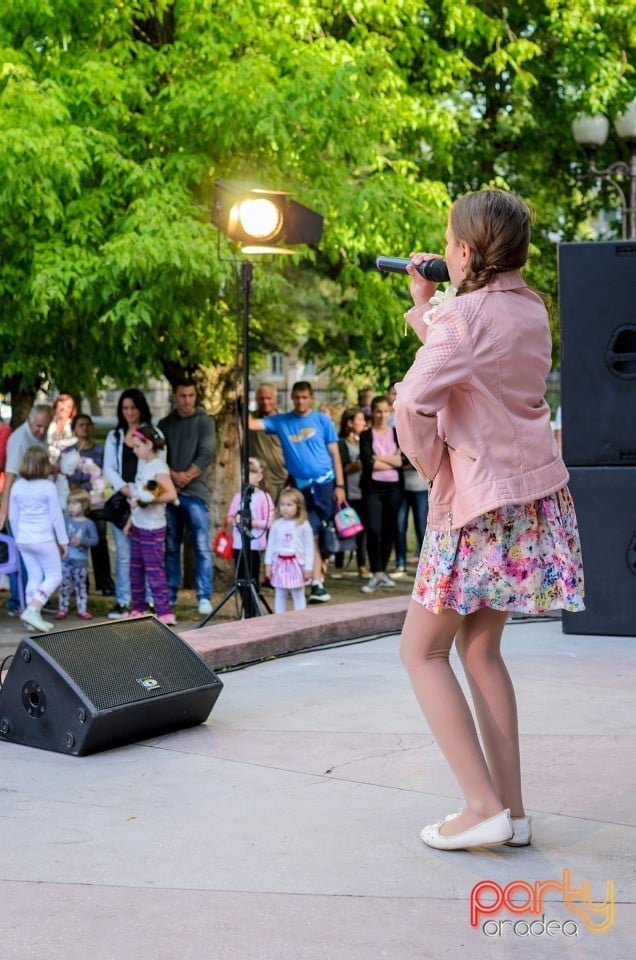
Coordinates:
(264, 602)
(258, 602)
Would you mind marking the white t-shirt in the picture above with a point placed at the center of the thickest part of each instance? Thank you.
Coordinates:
(152, 517)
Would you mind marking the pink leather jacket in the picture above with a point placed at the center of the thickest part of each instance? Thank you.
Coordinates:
(470, 413)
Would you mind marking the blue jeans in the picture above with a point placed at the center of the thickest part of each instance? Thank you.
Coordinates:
(122, 566)
(417, 501)
(194, 514)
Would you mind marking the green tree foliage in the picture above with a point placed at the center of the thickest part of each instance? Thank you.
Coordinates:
(116, 118)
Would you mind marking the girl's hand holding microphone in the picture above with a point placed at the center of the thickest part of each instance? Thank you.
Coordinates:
(423, 285)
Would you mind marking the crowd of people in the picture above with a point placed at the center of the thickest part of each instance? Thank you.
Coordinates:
(299, 454)
(55, 480)
(360, 465)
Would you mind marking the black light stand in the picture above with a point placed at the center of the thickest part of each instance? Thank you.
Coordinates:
(261, 218)
(252, 603)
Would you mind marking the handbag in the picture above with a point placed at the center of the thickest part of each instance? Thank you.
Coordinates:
(347, 521)
(116, 510)
(222, 545)
(328, 540)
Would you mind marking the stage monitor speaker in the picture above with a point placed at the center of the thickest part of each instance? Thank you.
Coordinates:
(82, 690)
(605, 503)
(597, 293)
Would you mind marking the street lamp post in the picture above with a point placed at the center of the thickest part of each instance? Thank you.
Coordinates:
(591, 133)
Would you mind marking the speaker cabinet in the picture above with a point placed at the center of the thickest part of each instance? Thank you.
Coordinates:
(87, 689)
(597, 293)
(605, 502)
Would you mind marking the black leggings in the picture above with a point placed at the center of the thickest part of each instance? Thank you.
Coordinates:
(380, 508)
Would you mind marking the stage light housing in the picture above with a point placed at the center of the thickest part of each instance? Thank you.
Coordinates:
(261, 219)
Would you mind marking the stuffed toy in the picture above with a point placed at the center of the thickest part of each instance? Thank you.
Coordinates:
(148, 492)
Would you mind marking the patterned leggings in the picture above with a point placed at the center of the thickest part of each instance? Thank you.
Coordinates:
(74, 577)
(147, 561)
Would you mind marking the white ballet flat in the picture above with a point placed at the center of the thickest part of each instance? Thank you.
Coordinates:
(488, 833)
(521, 830)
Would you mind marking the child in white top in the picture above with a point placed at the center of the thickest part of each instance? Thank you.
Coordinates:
(289, 555)
(152, 490)
(40, 533)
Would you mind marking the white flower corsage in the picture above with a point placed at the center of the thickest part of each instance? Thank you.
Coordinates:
(436, 300)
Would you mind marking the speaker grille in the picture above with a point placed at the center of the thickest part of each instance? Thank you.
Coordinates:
(126, 661)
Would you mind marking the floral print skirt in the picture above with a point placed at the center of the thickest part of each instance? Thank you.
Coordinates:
(524, 558)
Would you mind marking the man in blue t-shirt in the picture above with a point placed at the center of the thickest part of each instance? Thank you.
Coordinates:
(312, 457)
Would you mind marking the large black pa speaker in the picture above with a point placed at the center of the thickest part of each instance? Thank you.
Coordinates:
(82, 690)
(605, 502)
(597, 303)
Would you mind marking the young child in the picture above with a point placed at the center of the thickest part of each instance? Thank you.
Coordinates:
(261, 518)
(152, 490)
(82, 534)
(289, 555)
(38, 527)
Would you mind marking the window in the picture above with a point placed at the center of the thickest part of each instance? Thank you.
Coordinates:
(276, 364)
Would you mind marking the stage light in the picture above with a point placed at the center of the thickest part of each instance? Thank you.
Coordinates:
(258, 219)
(261, 219)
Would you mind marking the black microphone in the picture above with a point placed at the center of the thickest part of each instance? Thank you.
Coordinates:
(435, 270)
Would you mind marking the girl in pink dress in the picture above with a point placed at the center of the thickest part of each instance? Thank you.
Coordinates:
(289, 555)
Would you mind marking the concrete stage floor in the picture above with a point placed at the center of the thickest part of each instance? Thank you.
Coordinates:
(287, 827)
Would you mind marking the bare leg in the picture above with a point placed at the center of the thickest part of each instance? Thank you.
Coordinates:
(425, 647)
(478, 645)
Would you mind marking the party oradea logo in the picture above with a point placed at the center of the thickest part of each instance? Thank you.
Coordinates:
(527, 904)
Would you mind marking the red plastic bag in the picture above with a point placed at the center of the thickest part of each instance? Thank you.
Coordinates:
(222, 545)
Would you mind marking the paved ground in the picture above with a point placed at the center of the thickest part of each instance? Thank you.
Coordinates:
(287, 826)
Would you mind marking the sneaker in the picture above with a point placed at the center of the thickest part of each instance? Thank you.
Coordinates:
(205, 607)
(119, 610)
(60, 615)
(371, 585)
(398, 573)
(385, 580)
(136, 613)
(337, 575)
(33, 618)
(318, 594)
(363, 573)
(169, 619)
(84, 614)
